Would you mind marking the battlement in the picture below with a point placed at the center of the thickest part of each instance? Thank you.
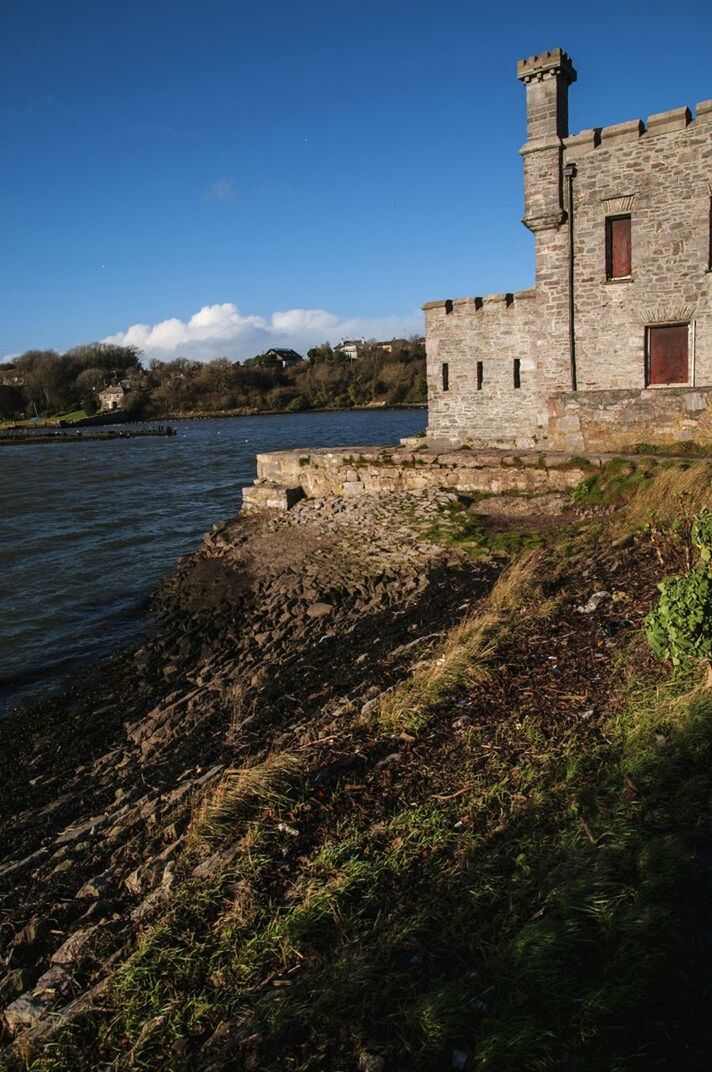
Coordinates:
(636, 130)
(487, 301)
(546, 65)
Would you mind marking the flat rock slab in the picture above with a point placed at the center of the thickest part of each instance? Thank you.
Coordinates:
(269, 496)
(319, 610)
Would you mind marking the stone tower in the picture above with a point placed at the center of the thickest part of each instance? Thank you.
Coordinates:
(547, 78)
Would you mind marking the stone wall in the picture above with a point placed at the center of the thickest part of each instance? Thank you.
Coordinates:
(493, 330)
(662, 175)
(620, 420)
(659, 173)
(284, 477)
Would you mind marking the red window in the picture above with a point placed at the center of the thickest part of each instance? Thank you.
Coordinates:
(668, 354)
(618, 247)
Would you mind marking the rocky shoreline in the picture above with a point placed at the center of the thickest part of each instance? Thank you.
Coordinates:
(397, 784)
(277, 626)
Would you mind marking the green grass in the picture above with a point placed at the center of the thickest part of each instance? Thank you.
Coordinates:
(685, 448)
(459, 526)
(74, 415)
(618, 479)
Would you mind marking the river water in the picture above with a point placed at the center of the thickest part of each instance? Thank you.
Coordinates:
(87, 530)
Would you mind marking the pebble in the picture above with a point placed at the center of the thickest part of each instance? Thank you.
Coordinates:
(594, 602)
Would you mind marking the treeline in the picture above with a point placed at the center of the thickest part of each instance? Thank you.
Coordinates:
(45, 383)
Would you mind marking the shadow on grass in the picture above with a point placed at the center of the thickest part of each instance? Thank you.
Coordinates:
(556, 917)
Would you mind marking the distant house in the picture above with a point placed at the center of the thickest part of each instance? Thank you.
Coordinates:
(113, 397)
(395, 344)
(287, 358)
(350, 348)
(10, 376)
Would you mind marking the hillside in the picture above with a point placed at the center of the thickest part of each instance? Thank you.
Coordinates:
(397, 785)
(43, 383)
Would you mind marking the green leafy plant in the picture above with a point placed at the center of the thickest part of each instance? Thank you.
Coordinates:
(702, 534)
(679, 628)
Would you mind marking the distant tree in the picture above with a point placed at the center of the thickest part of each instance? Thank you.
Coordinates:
(45, 381)
(105, 355)
(56, 384)
(321, 353)
(135, 404)
(262, 361)
(326, 355)
(91, 379)
(12, 401)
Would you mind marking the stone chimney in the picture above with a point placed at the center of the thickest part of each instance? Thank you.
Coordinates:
(547, 78)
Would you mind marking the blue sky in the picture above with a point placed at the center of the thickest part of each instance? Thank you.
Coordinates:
(333, 163)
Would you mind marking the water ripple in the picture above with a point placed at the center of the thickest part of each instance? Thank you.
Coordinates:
(86, 531)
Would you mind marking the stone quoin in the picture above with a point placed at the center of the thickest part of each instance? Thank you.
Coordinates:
(613, 344)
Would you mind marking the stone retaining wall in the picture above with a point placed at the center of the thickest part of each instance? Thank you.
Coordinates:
(286, 476)
(619, 420)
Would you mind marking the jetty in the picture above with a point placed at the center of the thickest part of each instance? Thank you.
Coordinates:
(15, 436)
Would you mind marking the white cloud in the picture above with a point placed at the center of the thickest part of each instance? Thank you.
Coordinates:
(223, 331)
(222, 189)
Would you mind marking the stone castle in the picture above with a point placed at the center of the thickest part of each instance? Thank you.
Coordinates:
(613, 345)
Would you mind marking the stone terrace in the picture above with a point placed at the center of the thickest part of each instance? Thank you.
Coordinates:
(285, 477)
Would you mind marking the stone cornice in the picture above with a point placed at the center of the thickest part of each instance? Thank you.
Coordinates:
(540, 145)
(548, 221)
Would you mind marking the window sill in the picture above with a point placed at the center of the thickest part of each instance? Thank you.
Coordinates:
(666, 386)
(620, 279)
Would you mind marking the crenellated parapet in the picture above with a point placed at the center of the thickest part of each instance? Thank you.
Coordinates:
(636, 130)
(554, 63)
(491, 302)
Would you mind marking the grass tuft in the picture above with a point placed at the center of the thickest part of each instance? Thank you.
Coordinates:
(240, 793)
(675, 488)
(461, 661)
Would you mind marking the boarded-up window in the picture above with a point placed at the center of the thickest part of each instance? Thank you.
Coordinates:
(619, 261)
(668, 354)
(446, 377)
(480, 375)
(517, 372)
